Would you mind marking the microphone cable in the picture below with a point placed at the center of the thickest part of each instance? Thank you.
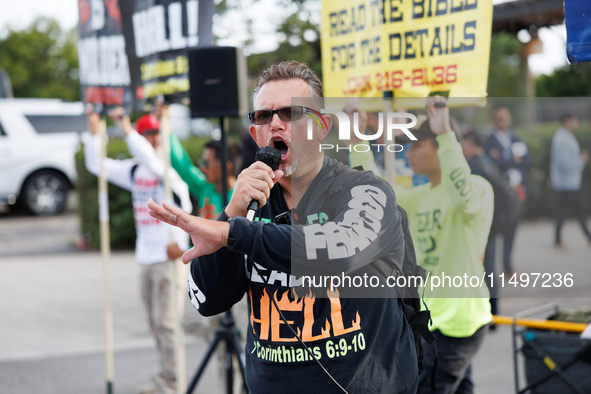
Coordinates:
(272, 157)
(308, 350)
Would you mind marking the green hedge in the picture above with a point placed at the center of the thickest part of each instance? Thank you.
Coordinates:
(541, 200)
(122, 228)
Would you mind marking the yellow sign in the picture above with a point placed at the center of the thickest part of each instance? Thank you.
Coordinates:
(410, 47)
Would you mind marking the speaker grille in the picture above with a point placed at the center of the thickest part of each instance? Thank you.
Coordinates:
(216, 89)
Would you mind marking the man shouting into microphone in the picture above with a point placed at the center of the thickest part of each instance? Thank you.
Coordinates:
(365, 345)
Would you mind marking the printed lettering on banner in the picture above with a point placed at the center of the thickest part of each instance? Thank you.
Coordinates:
(410, 47)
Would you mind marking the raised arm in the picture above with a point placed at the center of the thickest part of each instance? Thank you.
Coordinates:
(118, 172)
(469, 195)
(140, 148)
(191, 174)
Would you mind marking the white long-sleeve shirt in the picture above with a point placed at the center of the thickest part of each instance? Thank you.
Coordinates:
(153, 235)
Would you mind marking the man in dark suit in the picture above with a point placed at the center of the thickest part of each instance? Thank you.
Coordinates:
(511, 156)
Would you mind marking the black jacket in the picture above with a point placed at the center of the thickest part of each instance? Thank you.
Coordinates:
(365, 343)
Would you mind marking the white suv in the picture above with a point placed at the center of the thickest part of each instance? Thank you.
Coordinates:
(38, 141)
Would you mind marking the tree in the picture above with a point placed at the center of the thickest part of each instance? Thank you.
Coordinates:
(42, 61)
(503, 72)
(300, 39)
(570, 80)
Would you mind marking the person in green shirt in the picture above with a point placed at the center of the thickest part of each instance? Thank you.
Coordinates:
(449, 220)
(205, 183)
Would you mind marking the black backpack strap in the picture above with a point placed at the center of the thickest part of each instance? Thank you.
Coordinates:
(133, 169)
(383, 268)
(176, 199)
(434, 370)
(420, 324)
(419, 320)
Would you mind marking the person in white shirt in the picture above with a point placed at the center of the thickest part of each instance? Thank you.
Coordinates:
(567, 163)
(154, 248)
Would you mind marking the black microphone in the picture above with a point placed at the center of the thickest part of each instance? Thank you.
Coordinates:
(271, 157)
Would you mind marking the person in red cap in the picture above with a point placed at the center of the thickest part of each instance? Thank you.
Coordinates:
(154, 249)
(148, 127)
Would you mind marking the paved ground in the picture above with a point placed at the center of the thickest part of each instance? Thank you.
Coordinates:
(22, 234)
(493, 368)
(52, 328)
(52, 331)
(52, 325)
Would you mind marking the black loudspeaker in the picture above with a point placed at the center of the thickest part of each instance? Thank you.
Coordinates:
(218, 82)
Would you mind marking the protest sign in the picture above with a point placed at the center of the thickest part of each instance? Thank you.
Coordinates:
(103, 63)
(412, 48)
(158, 34)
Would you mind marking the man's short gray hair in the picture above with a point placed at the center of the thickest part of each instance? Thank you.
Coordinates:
(292, 70)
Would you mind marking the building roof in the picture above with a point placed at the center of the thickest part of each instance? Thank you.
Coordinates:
(516, 15)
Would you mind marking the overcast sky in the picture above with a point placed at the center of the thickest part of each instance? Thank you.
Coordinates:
(19, 14)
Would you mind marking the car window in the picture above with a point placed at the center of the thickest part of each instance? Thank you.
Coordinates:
(2, 133)
(45, 124)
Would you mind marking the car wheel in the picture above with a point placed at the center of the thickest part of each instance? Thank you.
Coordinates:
(45, 193)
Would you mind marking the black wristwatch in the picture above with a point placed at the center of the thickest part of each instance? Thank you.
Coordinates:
(231, 239)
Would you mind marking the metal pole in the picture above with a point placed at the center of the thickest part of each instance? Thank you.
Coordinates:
(223, 158)
(541, 324)
(228, 315)
(179, 341)
(105, 253)
(389, 157)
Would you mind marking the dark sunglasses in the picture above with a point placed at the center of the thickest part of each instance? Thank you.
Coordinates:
(206, 164)
(286, 114)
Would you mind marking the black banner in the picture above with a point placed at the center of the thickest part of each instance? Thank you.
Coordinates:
(104, 67)
(157, 36)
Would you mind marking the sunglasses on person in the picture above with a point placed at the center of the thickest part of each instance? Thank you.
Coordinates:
(286, 114)
(207, 164)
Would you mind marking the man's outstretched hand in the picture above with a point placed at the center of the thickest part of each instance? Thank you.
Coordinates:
(208, 235)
